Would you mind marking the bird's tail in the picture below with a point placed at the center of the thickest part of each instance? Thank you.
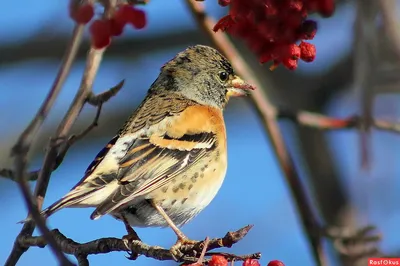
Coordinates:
(66, 201)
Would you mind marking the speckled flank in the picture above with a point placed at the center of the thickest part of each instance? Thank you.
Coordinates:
(194, 177)
(183, 199)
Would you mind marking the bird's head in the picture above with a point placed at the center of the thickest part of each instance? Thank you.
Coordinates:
(202, 74)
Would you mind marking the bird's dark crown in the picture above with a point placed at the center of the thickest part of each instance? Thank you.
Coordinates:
(194, 73)
(197, 58)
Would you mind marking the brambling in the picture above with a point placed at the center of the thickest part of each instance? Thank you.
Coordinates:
(169, 160)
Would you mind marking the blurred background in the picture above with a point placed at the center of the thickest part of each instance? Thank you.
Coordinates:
(356, 65)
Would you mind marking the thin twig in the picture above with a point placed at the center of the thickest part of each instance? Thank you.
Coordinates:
(103, 97)
(233, 257)
(21, 148)
(323, 122)
(267, 113)
(95, 100)
(203, 252)
(93, 61)
(365, 65)
(28, 135)
(105, 245)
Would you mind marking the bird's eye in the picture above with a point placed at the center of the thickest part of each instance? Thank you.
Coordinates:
(223, 76)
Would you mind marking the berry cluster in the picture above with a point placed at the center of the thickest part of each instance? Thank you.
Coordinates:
(102, 30)
(217, 260)
(272, 28)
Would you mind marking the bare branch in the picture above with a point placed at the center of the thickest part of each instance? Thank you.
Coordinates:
(96, 100)
(21, 148)
(103, 97)
(93, 61)
(105, 245)
(323, 122)
(203, 252)
(365, 65)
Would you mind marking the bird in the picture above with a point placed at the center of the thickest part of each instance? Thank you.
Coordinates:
(169, 159)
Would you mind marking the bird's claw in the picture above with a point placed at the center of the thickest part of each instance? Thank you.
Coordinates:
(175, 250)
(127, 239)
(176, 253)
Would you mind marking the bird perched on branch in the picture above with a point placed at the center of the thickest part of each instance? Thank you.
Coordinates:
(169, 160)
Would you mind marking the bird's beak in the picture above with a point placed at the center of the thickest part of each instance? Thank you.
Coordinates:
(239, 87)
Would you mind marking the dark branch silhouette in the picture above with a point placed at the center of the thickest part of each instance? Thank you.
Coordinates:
(192, 253)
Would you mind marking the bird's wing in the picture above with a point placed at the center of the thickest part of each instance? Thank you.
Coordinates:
(94, 164)
(153, 160)
(152, 110)
(100, 178)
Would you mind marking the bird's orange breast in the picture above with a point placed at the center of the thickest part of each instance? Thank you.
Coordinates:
(199, 119)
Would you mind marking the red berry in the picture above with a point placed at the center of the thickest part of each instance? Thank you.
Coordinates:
(294, 51)
(138, 19)
(82, 14)
(326, 7)
(295, 5)
(312, 5)
(224, 23)
(116, 26)
(124, 13)
(307, 51)
(270, 8)
(101, 33)
(269, 31)
(129, 14)
(291, 51)
(308, 30)
(217, 260)
(289, 63)
(251, 262)
(271, 28)
(275, 263)
(224, 2)
(293, 21)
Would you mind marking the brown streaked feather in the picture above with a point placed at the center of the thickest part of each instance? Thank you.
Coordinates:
(97, 160)
(156, 107)
(161, 157)
(140, 174)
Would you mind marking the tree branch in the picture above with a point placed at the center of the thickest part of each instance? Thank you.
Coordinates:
(323, 122)
(95, 100)
(106, 245)
(93, 61)
(21, 148)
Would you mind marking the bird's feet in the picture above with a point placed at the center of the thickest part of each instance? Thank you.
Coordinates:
(176, 248)
(127, 240)
(131, 236)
